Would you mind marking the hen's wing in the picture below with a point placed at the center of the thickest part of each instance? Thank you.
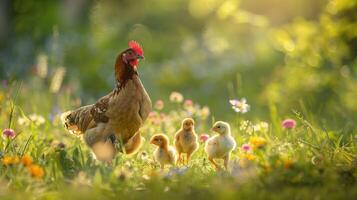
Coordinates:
(98, 110)
(80, 120)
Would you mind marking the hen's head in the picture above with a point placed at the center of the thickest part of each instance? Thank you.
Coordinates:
(132, 55)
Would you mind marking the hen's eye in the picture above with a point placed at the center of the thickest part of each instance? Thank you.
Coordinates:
(218, 126)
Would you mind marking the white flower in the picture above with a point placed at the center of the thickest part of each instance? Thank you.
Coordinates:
(176, 97)
(240, 105)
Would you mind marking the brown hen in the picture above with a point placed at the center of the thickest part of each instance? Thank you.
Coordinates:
(112, 123)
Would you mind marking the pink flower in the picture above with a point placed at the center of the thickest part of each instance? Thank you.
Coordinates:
(188, 103)
(246, 147)
(288, 124)
(9, 133)
(159, 105)
(204, 137)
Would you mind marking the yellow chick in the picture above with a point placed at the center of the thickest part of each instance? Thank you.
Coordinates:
(186, 140)
(220, 145)
(164, 153)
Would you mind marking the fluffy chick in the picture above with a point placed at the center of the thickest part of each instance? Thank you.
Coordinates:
(186, 140)
(164, 153)
(221, 145)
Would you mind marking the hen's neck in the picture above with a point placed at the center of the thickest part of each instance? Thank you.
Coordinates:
(123, 72)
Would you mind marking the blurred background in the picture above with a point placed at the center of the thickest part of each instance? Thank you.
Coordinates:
(281, 55)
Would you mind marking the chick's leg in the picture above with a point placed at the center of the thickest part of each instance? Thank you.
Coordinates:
(188, 156)
(214, 163)
(226, 160)
(179, 159)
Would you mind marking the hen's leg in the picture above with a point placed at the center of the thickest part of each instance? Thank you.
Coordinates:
(134, 144)
(94, 135)
(100, 144)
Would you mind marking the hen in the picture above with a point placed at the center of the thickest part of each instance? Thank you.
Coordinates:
(113, 122)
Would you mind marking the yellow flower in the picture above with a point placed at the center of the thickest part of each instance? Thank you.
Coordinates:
(36, 171)
(10, 160)
(7, 160)
(248, 156)
(26, 160)
(267, 168)
(288, 164)
(257, 142)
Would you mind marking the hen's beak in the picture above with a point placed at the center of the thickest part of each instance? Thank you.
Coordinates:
(140, 56)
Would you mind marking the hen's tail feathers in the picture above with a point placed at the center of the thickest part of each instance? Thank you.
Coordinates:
(134, 144)
(68, 122)
(77, 121)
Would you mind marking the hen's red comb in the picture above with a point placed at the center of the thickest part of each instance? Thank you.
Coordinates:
(136, 47)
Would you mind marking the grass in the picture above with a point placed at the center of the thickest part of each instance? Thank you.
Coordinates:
(306, 162)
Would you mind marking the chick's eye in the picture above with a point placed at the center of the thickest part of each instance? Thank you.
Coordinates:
(218, 126)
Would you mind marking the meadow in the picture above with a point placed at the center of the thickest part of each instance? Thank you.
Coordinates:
(40, 160)
(282, 73)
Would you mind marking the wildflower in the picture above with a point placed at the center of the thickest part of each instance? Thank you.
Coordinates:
(261, 127)
(7, 160)
(5, 83)
(10, 160)
(248, 156)
(204, 137)
(246, 147)
(81, 180)
(159, 104)
(264, 126)
(176, 97)
(257, 142)
(240, 105)
(244, 125)
(288, 164)
(61, 145)
(188, 103)
(152, 114)
(57, 79)
(36, 171)
(26, 160)
(37, 119)
(23, 121)
(205, 112)
(288, 124)
(9, 133)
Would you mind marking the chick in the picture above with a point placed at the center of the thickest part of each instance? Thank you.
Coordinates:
(186, 140)
(221, 145)
(164, 153)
